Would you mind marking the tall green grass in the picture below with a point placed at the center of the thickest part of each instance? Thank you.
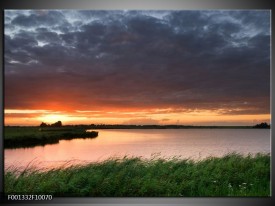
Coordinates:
(231, 175)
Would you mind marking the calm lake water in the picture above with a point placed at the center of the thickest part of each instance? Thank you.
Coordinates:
(182, 143)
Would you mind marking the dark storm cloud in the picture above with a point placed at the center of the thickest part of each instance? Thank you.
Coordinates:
(39, 18)
(139, 59)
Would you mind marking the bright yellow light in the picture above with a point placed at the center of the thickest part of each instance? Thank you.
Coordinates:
(51, 118)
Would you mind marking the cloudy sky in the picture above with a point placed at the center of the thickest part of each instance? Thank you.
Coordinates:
(137, 67)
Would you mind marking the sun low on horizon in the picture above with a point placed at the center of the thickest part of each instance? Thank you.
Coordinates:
(49, 118)
(137, 67)
(203, 118)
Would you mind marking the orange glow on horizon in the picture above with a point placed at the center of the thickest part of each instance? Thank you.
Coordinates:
(156, 116)
(50, 118)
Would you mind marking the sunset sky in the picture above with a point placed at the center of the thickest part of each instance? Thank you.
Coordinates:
(137, 67)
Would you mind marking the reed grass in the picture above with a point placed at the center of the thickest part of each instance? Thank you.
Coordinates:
(231, 175)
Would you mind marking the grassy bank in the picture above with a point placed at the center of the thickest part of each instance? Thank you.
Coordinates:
(231, 175)
(15, 137)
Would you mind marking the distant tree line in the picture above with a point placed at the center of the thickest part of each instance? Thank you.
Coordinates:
(262, 125)
(121, 126)
(56, 124)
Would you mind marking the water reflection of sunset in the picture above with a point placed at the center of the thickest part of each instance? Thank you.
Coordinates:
(195, 144)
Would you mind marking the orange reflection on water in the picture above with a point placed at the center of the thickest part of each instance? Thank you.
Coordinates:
(183, 143)
(107, 144)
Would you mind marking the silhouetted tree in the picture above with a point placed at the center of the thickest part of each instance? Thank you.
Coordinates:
(262, 125)
(57, 124)
(43, 124)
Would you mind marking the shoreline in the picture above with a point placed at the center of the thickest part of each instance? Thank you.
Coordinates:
(31, 136)
(23, 137)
